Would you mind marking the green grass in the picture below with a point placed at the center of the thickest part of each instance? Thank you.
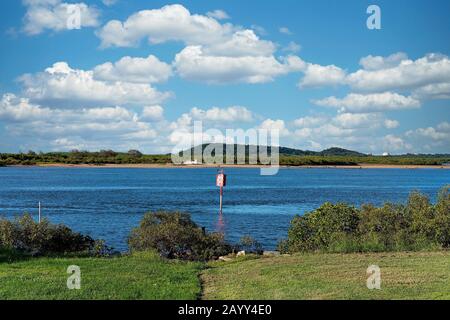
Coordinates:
(419, 275)
(138, 276)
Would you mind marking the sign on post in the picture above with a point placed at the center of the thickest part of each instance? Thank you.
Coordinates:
(221, 181)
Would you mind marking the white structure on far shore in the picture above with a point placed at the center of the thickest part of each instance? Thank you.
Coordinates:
(386, 154)
(191, 163)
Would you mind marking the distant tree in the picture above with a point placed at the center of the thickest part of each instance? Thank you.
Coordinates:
(134, 153)
(107, 153)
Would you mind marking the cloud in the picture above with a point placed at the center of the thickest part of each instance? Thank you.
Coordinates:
(324, 132)
(292, 47)
(152, 113)
(136, 70)
(230, 114)
(242, 43)
(376, 102)
(214, 122)
(214, 52)
(379, 63)
(109, 3)
(41, 127)
(259, 30)
(433, 91)
(218, 14)
(169, 23)
(56, 15)
(406, 74)
(193, 63)
(60, 85)
(423, 79)
(317, 76)
(440, 133)
(395, 144)
(285, 30)
(279, 125)
(391, 124)
(33, 126)
(358, 120)
(364, 132)
(347, 121)
(13, 108)
(310, 121)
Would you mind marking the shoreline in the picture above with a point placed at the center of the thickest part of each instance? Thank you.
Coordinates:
(246, 166)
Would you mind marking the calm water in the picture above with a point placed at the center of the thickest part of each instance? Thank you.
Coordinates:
(107, 202)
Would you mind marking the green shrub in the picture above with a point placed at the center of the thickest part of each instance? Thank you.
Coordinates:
(27, 236)
(442, 217)
(418, 225)
(322, 227)
(250, 245)
(175, 236)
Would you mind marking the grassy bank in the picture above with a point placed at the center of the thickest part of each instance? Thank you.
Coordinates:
(139, 276)
(418, 275)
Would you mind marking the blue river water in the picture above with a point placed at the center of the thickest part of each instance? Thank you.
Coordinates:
(108, 202)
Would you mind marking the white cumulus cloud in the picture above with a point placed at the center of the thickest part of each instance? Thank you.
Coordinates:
(169, 23)
(193, 64)
(152, 113)
(356, 103)
(230, 114)
(134, 69)
(316, 75)
(279, 125)
(218, 14)
(378, 62)
(60, 85)
(56, 15)
(406, 74)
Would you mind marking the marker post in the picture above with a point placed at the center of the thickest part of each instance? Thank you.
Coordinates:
(221, 182)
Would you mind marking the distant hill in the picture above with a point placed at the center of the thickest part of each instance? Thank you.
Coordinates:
(296, 152)
(341, 152)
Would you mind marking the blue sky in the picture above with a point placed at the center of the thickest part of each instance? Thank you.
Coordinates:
(311, 69)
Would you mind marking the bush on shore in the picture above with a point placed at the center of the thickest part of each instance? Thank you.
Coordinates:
(175, 236)
(23, 235)
(417, 225)
(250, 245)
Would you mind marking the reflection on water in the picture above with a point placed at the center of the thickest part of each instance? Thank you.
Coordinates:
(220, 223)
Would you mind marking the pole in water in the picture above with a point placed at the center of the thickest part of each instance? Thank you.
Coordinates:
(221, 199)
(221, 181)
(39, 217)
